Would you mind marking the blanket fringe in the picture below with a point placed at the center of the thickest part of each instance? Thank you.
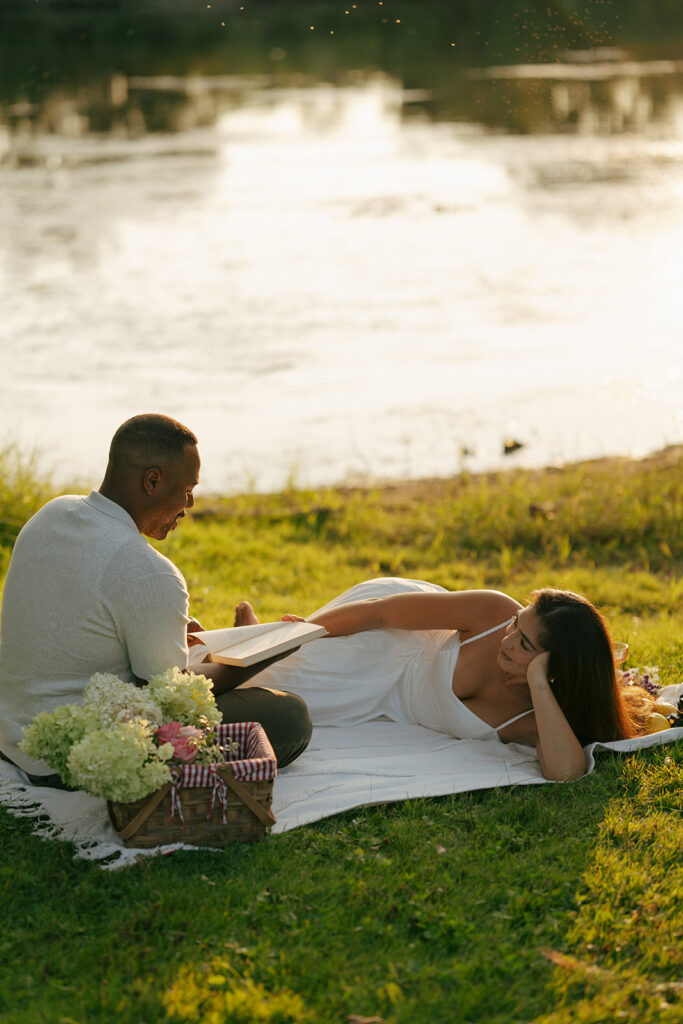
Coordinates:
(20, 800)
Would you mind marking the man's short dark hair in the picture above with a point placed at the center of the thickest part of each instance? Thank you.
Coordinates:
(148, 439)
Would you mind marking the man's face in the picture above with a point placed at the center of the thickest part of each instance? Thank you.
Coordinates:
(172, 493)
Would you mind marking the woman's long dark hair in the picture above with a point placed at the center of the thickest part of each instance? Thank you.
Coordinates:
(582, 670)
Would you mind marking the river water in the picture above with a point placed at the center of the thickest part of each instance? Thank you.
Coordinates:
(329, 284)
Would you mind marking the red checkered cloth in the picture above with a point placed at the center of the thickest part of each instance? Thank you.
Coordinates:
(253, 761)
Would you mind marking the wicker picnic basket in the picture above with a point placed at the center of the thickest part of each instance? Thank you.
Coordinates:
(207, 805)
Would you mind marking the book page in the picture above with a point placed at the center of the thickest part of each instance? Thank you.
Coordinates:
(286, 633)
(221, 639)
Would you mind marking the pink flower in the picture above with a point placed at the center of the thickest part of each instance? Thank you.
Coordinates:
(183, 739)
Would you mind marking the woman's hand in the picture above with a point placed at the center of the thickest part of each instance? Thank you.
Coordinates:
(559, 751)
(291, 618)
(537, 669)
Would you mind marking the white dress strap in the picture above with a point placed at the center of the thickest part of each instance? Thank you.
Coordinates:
(515, 719)
(486, 632)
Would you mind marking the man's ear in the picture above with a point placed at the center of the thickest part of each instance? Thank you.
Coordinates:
(151, 480)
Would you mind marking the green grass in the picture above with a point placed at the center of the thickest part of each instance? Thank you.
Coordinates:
(22, 492)
(551, 904)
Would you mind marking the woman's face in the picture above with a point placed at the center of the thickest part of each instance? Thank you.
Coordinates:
(521, 642)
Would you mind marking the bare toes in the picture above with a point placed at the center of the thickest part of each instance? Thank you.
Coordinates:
(245, 615)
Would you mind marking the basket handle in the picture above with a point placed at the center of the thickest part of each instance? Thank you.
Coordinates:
(143, 814)
(243, 792)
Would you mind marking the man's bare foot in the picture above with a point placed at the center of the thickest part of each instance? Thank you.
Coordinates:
(245, 615)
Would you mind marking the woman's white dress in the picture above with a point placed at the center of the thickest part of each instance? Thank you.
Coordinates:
(403, 675)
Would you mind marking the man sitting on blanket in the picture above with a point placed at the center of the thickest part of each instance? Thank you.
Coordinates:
(86, 593)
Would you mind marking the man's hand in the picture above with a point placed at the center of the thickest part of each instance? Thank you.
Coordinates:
(193, 627)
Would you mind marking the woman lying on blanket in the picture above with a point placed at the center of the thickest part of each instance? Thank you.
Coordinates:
(474, 664)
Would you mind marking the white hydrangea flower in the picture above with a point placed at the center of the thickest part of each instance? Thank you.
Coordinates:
(51, 735)
(116, 701)
(185, 697)
(119, 763)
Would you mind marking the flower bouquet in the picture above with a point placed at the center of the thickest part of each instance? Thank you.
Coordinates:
(142, 747)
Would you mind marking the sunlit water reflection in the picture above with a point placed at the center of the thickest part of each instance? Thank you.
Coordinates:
(322, 288)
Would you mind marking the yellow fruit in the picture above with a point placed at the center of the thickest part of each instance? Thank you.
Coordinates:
(662, 708)
(655, 723)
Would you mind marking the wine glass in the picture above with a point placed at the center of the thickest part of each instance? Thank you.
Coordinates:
(620, 652)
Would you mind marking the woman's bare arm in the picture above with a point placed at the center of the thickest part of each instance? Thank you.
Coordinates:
(466, 610)
(559, 751)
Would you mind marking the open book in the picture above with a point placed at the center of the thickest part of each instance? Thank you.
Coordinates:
(247, 645)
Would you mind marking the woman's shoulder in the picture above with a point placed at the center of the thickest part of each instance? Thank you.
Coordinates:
(496, 600)
(488, 608)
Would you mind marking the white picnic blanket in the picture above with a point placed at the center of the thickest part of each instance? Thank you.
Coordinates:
(342, 768)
